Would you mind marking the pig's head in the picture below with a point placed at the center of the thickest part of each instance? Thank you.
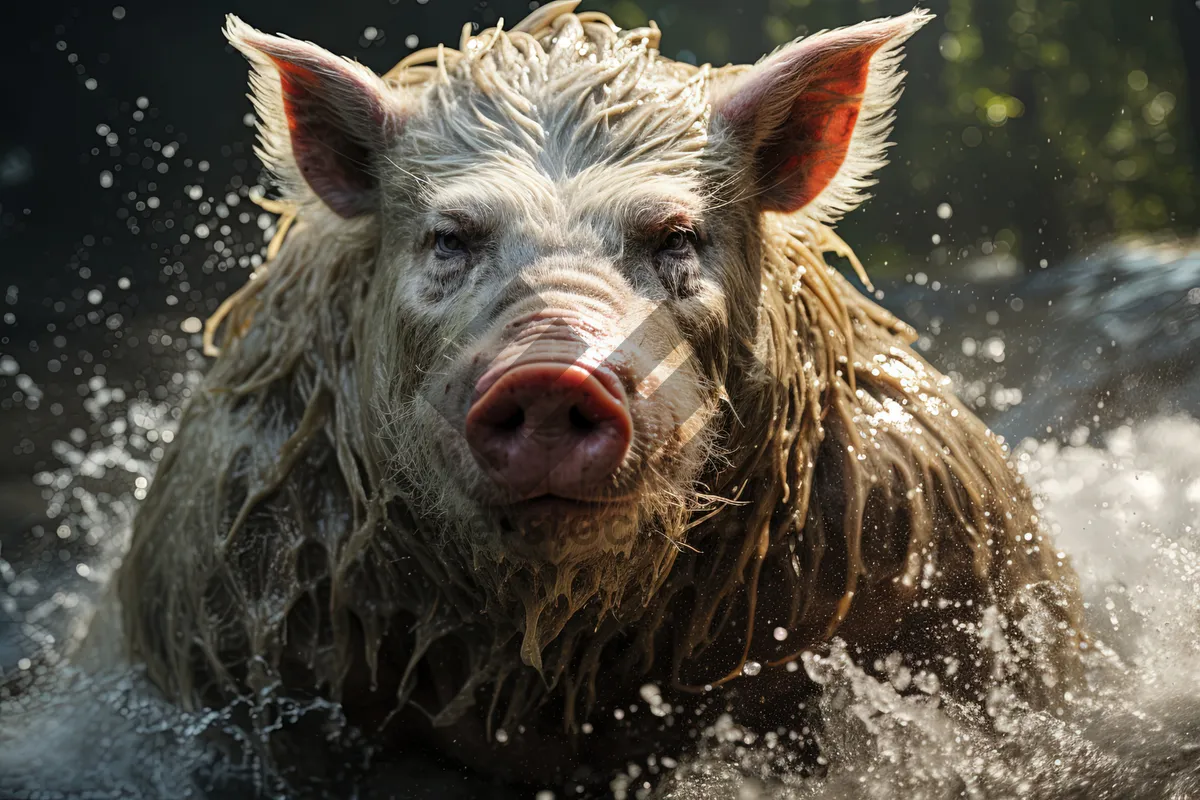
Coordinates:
(563, 324)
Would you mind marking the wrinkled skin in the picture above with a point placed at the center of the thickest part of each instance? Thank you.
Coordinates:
(341, 514)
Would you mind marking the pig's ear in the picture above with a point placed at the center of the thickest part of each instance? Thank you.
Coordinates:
(321, 119)
(813, 117)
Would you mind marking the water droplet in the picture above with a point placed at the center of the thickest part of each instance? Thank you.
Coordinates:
(780, 634)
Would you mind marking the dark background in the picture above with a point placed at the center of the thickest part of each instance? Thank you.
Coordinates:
(1031, 130)
(1044, 124)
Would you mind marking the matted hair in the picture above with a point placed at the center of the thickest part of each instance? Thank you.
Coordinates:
(274, 535)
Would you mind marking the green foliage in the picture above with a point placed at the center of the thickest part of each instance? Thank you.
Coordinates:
(1037, 126)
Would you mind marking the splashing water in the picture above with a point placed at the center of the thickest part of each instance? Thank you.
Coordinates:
(1126, 512)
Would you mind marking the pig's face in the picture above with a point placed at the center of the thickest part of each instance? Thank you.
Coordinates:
(543, 360)
(569, 250)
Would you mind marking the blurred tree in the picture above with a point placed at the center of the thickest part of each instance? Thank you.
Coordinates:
(1029, 126)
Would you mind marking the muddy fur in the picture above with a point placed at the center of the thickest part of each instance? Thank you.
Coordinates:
(845, 492)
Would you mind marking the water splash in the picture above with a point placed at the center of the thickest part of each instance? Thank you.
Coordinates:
(1124, 509)
(1126, 512)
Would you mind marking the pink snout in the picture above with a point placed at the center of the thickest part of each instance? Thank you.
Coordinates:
(550, 429)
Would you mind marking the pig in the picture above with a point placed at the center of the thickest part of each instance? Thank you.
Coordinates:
(547, 406)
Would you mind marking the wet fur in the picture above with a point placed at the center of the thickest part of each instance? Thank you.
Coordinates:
(846, 491)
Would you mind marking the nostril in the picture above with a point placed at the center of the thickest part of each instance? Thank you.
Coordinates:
(513, 421)
(580, 422)
(543, 428)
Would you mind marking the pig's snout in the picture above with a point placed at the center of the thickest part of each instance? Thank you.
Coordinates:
(550, 429)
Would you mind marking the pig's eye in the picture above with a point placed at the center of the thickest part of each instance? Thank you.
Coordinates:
(449, 245)
(677, 244)
(675, 260)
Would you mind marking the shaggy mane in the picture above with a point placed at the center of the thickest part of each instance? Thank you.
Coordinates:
(307, 560)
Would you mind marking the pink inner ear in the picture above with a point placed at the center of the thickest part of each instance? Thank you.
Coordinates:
(333, 163)
(800, 161)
